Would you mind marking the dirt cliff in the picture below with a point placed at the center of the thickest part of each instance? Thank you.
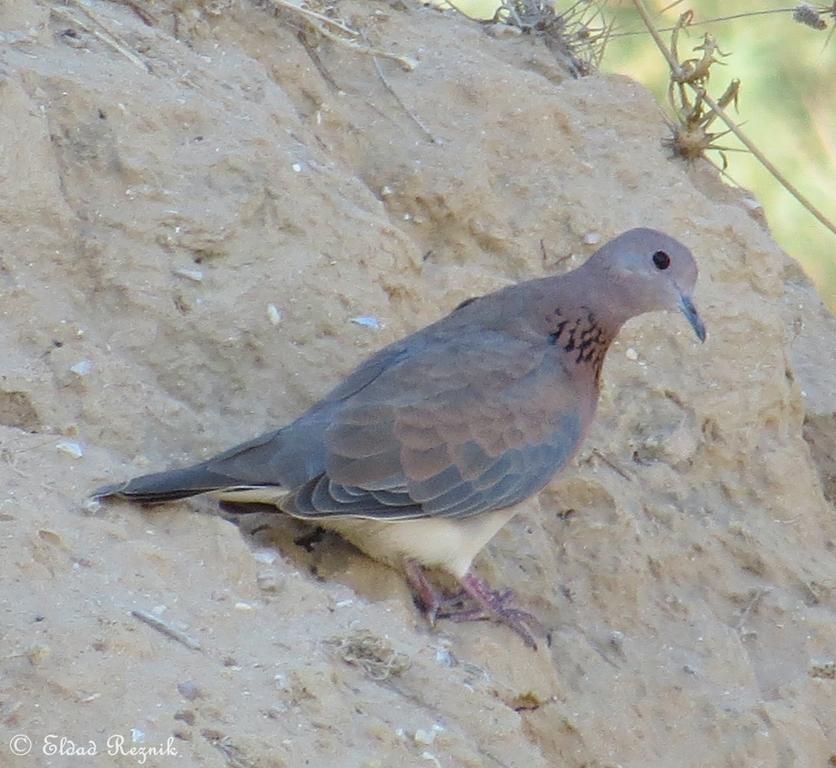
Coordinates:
(208, 216)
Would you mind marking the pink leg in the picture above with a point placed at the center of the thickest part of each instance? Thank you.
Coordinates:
(496, 606)
(490, 605)
(429, 598)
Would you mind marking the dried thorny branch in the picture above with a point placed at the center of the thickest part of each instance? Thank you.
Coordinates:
(691, 137)
(335, 30)
(813, 16)
(577, 35)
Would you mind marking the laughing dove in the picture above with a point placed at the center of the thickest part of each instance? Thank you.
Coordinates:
(421, 455)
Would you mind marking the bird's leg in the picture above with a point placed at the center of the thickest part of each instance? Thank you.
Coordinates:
(309, 538)
(429, 598)
(237, 510)
(495, 606)
(491, 605)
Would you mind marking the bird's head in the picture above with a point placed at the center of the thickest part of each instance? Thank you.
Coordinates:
(646, 270)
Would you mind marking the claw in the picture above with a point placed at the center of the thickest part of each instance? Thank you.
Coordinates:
(428, 599)
(495, 606)
(490, 605)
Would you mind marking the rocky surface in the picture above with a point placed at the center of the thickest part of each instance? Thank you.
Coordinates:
(206, 220)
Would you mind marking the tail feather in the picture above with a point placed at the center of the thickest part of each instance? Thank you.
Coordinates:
(166, 486)
(257, 471)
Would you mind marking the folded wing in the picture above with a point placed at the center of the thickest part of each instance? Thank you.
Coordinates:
(460, 428)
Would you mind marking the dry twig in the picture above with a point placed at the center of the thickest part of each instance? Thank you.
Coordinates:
(694, 74)
(415, 119)
(96, 27)
(803, 13)
(338, 32)
(166, 629)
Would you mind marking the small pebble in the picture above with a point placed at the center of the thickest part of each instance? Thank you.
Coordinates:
(367, 321)
(297, 167)
(631, 354)
(189, 690)
(82, 367)
(270, 582)
(591, 238)
(195, 275)
(91, 697)
(91, 506)
(71, 448)
(424, 737)
(266, 556)
(274, 314)
(52, 538)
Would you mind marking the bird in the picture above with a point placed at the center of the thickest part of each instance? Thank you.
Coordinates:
(423, 453)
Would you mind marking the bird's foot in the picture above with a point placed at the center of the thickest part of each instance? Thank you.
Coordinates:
(475, 602)
(492, 605)
(428, 598)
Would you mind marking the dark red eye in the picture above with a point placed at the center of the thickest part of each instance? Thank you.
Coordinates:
(661, 260)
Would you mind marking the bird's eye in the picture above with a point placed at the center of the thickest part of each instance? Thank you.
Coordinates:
(661, 260)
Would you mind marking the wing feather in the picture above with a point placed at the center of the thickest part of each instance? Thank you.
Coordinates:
(453, 430)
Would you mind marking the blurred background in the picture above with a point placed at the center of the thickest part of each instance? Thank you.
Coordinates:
(787, 102)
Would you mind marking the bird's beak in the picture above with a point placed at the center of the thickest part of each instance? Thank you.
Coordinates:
(686, 305)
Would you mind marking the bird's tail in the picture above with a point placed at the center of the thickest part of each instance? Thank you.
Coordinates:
(165, 486)
(258, 471)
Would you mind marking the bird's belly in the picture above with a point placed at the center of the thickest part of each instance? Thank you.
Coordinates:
(448, 544)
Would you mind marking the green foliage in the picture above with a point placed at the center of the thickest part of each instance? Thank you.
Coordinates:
(787, 103)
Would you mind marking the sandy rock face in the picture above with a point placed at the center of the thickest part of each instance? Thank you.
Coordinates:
(206, 221)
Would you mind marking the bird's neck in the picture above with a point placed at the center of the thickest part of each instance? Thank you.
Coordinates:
(583, 334)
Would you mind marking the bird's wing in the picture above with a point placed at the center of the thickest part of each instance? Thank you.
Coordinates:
(254, 470)
(460, 427)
